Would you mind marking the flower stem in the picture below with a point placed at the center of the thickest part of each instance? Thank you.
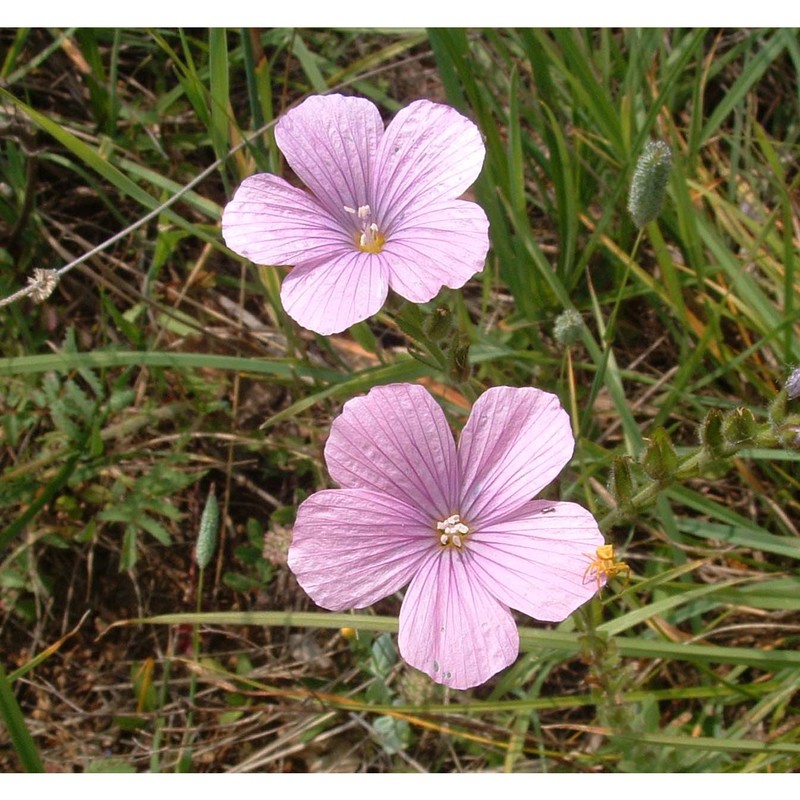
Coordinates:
(689, 466)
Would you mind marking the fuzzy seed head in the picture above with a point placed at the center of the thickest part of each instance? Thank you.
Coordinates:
(207, 537)
(649, 184)
(568, 327)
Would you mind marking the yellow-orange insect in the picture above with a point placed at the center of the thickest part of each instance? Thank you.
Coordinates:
(604, 564)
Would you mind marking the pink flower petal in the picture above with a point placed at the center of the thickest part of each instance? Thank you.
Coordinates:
(451, 628)
(331, 296)
(514, 443)
(330, 142)
(351, 547)
(429, 152)
(536, 560)
(396, 440)
(443, 244)
(271, 222)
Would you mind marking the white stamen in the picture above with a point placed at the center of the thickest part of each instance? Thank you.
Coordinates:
(454, 531)
(369, 235)
(364, 212)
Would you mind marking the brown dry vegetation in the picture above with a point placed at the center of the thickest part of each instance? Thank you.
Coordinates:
(297, 699)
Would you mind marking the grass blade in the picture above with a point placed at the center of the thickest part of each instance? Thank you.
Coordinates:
(18, 732)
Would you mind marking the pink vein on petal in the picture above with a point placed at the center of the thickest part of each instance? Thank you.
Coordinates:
(330, 296)
(271, 222)
(353, 547)
(330, 142)
(535, 560)
(396, 440)
(515, 442)
(428, 153)
(444, 244)
(453, 629)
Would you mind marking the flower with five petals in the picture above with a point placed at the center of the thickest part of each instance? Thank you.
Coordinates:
(455, 523)
(382, 213)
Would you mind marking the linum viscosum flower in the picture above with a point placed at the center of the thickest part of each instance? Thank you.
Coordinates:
(382, 213)
(457, 524)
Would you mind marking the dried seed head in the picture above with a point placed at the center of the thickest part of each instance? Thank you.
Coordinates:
(42, 284)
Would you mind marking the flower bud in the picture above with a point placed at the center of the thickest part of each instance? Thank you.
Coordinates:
(739, 428)
(793, 384)
(622, 484)
(439, 324)
(789, 436)
(660, 459)
(711, 434)
(649, 183)
(458, 359)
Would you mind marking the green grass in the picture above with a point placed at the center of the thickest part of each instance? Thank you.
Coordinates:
(164, 365)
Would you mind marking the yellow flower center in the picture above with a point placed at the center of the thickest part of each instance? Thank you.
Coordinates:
(368, 238)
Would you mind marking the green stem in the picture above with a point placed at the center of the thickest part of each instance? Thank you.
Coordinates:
(179, 767)
(612, 320)
(689, 466)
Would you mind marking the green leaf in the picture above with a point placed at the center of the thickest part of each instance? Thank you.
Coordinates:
(394, 735)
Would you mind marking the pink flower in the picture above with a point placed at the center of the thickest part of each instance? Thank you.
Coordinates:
(382, 215)
(456, 523)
